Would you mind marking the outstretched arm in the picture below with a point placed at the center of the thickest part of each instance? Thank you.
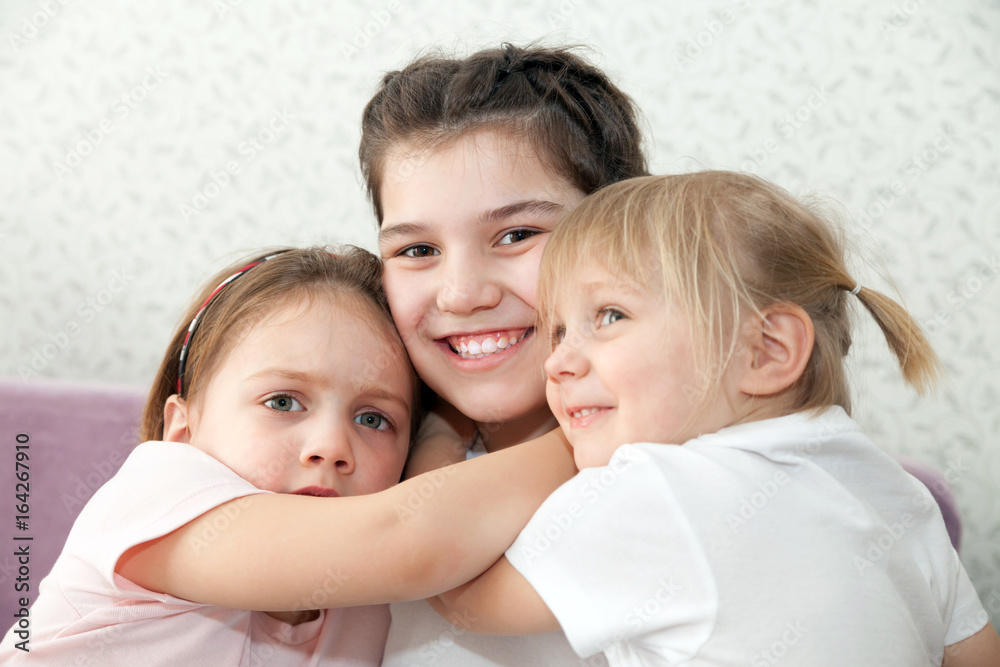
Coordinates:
(982, 648)
(417, 539)
(498, 602)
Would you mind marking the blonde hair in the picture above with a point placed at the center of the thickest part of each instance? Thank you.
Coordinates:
(292, 274)
(724, 244)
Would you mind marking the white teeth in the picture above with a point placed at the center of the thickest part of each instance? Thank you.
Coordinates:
(474, 349)
(583, 413)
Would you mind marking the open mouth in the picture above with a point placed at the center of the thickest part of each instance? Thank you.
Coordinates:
(480, 346)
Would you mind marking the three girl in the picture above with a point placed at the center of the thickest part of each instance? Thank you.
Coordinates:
(728, 509)
(283, 398)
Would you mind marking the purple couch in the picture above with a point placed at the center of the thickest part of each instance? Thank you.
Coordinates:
(79, 435)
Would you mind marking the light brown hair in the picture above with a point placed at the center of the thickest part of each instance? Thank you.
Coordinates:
(580, 124)
(348, 273)
(723, 244)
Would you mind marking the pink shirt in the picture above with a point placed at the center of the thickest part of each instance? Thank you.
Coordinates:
(85, 614)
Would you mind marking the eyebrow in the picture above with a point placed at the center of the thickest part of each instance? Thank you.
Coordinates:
(492, 216)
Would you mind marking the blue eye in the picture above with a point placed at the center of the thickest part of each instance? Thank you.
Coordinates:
(419, 250)
(557, 335)
(373, 420)
(610, 316)
(284, 403)
(516, 236)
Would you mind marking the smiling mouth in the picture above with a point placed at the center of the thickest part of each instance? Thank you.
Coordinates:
(480, 346)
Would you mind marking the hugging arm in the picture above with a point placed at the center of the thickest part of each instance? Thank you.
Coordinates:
(498, 602)
(982, 648)
(417, 539)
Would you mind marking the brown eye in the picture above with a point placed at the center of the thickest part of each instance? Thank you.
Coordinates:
(516, 236)
(419, 251)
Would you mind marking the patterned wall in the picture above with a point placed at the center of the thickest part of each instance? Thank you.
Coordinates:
(143, 144)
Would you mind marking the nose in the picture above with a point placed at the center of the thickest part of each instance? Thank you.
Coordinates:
(567, 361)
(332, 447)
(468, 284)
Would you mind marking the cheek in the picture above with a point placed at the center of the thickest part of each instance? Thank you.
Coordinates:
(552, 397)
(522, 279)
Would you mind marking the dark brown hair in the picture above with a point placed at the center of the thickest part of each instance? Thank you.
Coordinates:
(724, 244)
(296, 273)
(579, 123)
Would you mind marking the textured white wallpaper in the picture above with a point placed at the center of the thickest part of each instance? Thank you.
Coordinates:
(143, 144)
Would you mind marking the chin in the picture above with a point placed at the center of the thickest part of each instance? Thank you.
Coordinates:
(481, 405)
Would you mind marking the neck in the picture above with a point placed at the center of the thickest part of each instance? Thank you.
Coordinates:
(501, 435)
(294, 617)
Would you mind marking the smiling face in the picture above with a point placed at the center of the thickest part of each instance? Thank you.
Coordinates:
(462, 236)
(623, 370)
(315, 400)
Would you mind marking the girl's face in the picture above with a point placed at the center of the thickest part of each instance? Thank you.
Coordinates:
(313, 401)
(623, 371)
(463, 233)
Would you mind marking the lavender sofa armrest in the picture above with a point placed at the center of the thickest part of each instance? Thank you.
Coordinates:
(78, 435)
(941, 490)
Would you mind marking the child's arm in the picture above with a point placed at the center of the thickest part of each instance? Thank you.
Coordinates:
(982, 648)
(417, 539)
(498, 602)
(444, 438)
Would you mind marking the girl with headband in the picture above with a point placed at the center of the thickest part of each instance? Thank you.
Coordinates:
(283, 399)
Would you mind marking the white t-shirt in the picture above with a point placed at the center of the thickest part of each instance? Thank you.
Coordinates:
(86, 614)
(791, 539)
(419, 637)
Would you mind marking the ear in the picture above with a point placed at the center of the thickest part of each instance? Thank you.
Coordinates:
(778, 345)
(176, 424)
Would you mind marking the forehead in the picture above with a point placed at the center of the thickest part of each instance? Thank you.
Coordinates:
(476, 171)
(334, 335)
(589, 280)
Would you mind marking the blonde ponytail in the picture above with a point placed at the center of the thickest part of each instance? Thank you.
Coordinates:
(918, 362)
